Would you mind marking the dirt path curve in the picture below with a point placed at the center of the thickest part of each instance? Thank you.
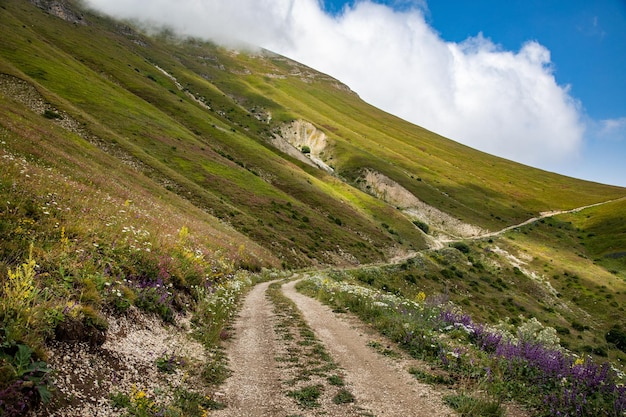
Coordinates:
(542, 215)
(254, 389)
(376, 381)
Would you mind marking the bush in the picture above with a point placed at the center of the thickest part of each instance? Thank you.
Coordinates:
(422, 226)
(460, 246)
(49, 114)
(617, 337)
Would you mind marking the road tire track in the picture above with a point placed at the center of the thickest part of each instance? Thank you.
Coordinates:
(378, 383)
(254, 389)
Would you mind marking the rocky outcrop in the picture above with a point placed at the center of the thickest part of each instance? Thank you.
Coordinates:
(443, 225)
(305, 142)
(60, 9)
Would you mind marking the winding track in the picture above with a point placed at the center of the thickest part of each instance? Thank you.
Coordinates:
(379, 384)
(439, 242)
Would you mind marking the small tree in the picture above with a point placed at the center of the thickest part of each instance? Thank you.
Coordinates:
(306, 149)
(461, 247)
(422, 226)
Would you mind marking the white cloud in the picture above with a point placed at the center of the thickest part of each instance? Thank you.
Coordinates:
(612, 129)
(504, 102)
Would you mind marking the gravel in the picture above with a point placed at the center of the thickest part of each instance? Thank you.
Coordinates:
(86, 377)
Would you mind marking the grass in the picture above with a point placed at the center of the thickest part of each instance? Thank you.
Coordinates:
(315, 374)
(307, 397)
(431, 378)
(119, 189)
(468, 406)
(172, 131)
(486, 365)
(383, 350)
(220, 159)
(336, 380)
(185, 402)
(343, 397)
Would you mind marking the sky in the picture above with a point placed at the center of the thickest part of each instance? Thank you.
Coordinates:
(541, 82)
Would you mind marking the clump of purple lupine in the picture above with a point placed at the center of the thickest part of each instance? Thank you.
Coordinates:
(452, 317)
(156, 296)
(570, 387)
(17, 399)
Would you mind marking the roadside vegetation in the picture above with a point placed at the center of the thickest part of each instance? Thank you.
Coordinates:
(73, 255)
(487, 365)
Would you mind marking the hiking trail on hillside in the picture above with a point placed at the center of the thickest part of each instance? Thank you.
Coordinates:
(542, 215)
(381, 386)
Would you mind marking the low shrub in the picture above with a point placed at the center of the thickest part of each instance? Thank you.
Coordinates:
(422, 226)
(461, 246)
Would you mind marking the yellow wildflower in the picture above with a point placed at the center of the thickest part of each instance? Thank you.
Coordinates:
(64, 239)
(139, 395)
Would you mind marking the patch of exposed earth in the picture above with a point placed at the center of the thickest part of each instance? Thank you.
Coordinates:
(86, 377)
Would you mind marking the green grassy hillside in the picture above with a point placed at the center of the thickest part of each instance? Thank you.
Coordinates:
(144, 96)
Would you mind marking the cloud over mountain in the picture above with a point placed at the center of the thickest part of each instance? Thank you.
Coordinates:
(504, 102)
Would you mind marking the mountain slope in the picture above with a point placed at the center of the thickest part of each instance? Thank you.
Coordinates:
(202, 118)
(150, 173)
(270, 162)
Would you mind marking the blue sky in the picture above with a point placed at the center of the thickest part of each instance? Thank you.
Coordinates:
(587, 39)
(587, 44)
(538, 82)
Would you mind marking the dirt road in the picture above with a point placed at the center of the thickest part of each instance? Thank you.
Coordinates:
(380, 385)
(254, 389)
